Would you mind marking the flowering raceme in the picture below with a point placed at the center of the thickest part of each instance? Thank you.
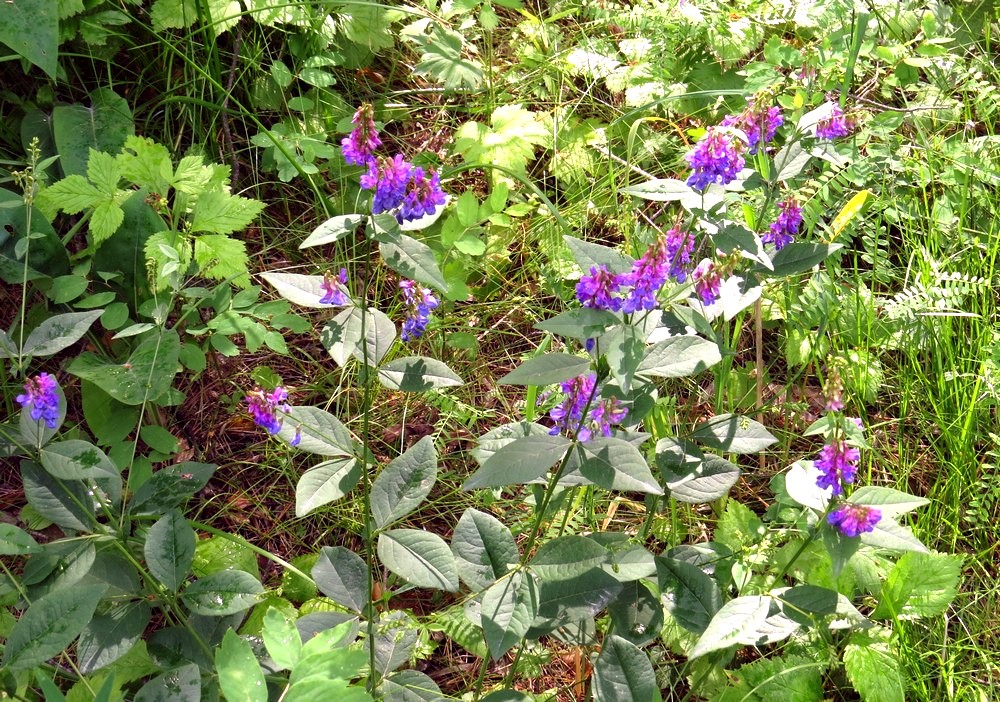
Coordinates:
(334, 293)
(680, 246)
(852, 520)
(835, 125)
(568, 415)
(717, 158)
(359, 146)
(599, 289)
(420, 301)
(40, 393)
(707, 282)
(264, 408)
(647, 276)
(402, 188)
(786, 226)
(838, 465)
(758, 123)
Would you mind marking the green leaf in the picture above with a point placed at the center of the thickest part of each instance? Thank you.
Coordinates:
(588, 255)
(411, 259)
(563, 602)
(222, 258)
(49, 626)
(159, 439)
(395, 640)
(623, 673)
(509, 606)
(341, 575)
(615, 464)
(173, 14)
(484, 549)
(443, 61)
(581, 323)
(891, 503)
(739, 621)
(282, 639)
(403, 484)
(568, 557)
(104, 171)
(31, 29)
(169, 549)
(59, 332)
(104, 126)
(888, 534)
(491, 442)
(919, 585)
(73, 194)
(690, 595)
(319, 432)
(711, 479)
(145, 377)
(789, 678)
(509, 141)
(182, 683)
(732, 433)
(636, 613)
(342, 336)
(325, 483)
(16, 542)
(333, 229)
(678, 357)
(67, 288)
(521, 461)
(68, 504)
(223, 213)
(225, 592)
(240, 676)
(874, 668)
(104, 221)
(111, 635)
(662, 190)
(419, 557)
(417, 374)
(410, 686)
(148, 164)
(76, 460)
(171, 487)
(547, 370)
(799, 257)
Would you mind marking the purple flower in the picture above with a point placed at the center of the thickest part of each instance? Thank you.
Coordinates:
(852, 520)
(334, 291)
(680, 246)
(607, 412)
(568, 416)
(648, 275)
(264, 408)
(707, 281)
(420, 301)
(359, 146)
(598, 289)
(388, 178)
(717, 158)
(758, 123)
(423, 195)
(837, 464)
(41, 394)
(786, 226)
(835, 125)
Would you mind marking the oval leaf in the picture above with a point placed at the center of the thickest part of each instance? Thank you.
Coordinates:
(341, 575)
(483, 547)
(325, 483)
(302, 290)
(417, 374)
(732, 433)
(738, 621)
(404, 483)
(547, 370)
(240, 676)
(59, 332)
(419, 557)
(623, 673)
(169, 549)
(679, 357)
(225, 592)
(49, 626)
(333, 229)
(519, 462)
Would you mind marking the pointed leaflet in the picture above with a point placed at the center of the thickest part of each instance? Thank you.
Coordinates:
(169, 549)
(623, 673)
(689, 594)
(59, 332)
(240, 676)
(679, 357)
(341, 575)
(145, 377)
(891, 503)
(712, 479)
(325, 483)
(484, 548)
(49, 625)
(417, 374)
(67, 503)
(343, 334)
(318, 431)
(521, 461)
(919, 585)
(223, 213)
(732, 433)
(111, 635)
(171, 487)
(404, 483)
(739, 621)
(587, 255)
(615, 464)
(581, 323)
(16, 542)
(282, 639)
(411, 259)
(222, 593)
(874, 668)
(420, 558)
(636, 613)
(396, 639)
(410, 686)
(547, 370)
(509, 606)
(183, 683)
(333, 229)
(568, 557)
(76, 460)
(303, 290)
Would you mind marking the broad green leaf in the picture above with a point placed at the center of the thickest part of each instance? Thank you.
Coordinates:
(417, 374)
(31, 29)
(919, 585)
(333, 229)
(419, 557)
(562, 602)
(588, 255)
(76, 460)
(444, 61)
(73, 194)
(615, 464)
(396, 639)
(799, 257)
(67, 503)
(343, 334)
(568, 557)
(171, 487)
(891, 535)
(341, 575)
(690, 595)
(738, 621)
(623, 347)
(661, 190)
(623, 673)
(403, 484)
(147, 163)
(325, 483)
(224, 553)
(491, 442)
(111, 635)
(182, 683)
(16, 542)
(67, 288)
(104, 171)
(679, 357)
(637, 613)
(173, 14)
(145, 377)
(547, 370)
(304, 290)
(581, 323)
(222, 258)
(281, 638)
(225, 592)
(508, 609)
(169, 549)
(509, 141)
(319, 432)
(734, 434)
(223, 213)
(104, 126)
(891, 503)
(519, 462)
(808, 599)
(411, 259)
(8, 349)
(59, 332)
(874, 668)
(789, 678)
(712, 478)
(484, 548)
(240, 676)
(52, 693)
(49, 626)
(410, 686)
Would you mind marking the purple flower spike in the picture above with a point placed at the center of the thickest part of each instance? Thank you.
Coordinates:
(568, 414)
(358, 148)
(680, 246)
(853, 520)
(264, 408)
(334, 293)
(648, 275)
(758, 123)
(838, 465)
(607, 412)
(717, 158)
(40, 393)
(835, 125)
(388, 178)
(786, 226)
(423, 196)
(420, 301)
(598, 289)
(707, 281)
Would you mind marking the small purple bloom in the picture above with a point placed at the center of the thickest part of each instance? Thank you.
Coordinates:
(786, 226)
(838, 465)
(334, 290)
(419, 301)
(758, 123)
(598, 289)
(423, 195)
(707, 281)
(359, 146)
(607, 412)
(835, 125)
(40, 393)
(264, 408)
(388, 178)
(648, 275)
(852, 520)
(680, 246)
(568, 416)
(717, 158)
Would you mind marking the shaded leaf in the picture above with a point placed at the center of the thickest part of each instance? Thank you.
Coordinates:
(402, 485)
(419, 557)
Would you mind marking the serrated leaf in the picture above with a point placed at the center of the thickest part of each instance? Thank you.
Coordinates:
(341, 575)
(222, 593)
(739, 621)
(919, 585)
(148, 164)
(223, 213)
(623, 673)
(333, 229)
(73, 194)
(240, 676)
(49, 626)
(874, 669)
(59, 332)
(443, 61)
(105, 220)
(104, 171)
(521, 461)
(222, 258)
(417, 374)
(509, 141)
(678, 357)
(173, 14)
(403, 484)
(325, 483)
(734, 434)
(419, 557)
(509, 607)
(484, 548)
(548, 369)
(169, 549)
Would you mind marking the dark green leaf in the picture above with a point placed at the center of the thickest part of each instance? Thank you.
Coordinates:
(444, 61)
(691, 596)
(581, 323)
(145, 377)
(49, 626)
(410, 686)
(615, 464)
(588, 255)
(31, 29)
(519, 462)
(169, 549)
(799, 257)
(68, 504)
(341, 575)
(403, 484)
(562, 602)
(567, 557)
(396, 639)
(623, 673)
(419, 557)
(732, 433)
(508, 609)
(711, 479)
(547, 370)
(183, 683)
(225, 592)
(417, 374)
(103, 126)
(637, 613)
(171, 487)
(111, 635)
(484, 548)
(76, 460)
(15, 542)
(411, 259)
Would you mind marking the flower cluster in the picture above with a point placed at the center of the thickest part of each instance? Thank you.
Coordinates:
(707, 281)
(420, 301)
(647, 276)
(569, 415)
(852, 520)
(786, 226)
(680, 246)
(757, 122)
(41, 394)
(408, 191)
(837, 464)
(333, 289)
(835, 125)
(599, 289)
(717, 158)
(264, 408)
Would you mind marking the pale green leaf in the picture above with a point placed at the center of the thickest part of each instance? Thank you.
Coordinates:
(419, 557)
(325, 483)
(222, 258)
(403, 484)
(222, 213)
(240, 676)
(73, 194)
